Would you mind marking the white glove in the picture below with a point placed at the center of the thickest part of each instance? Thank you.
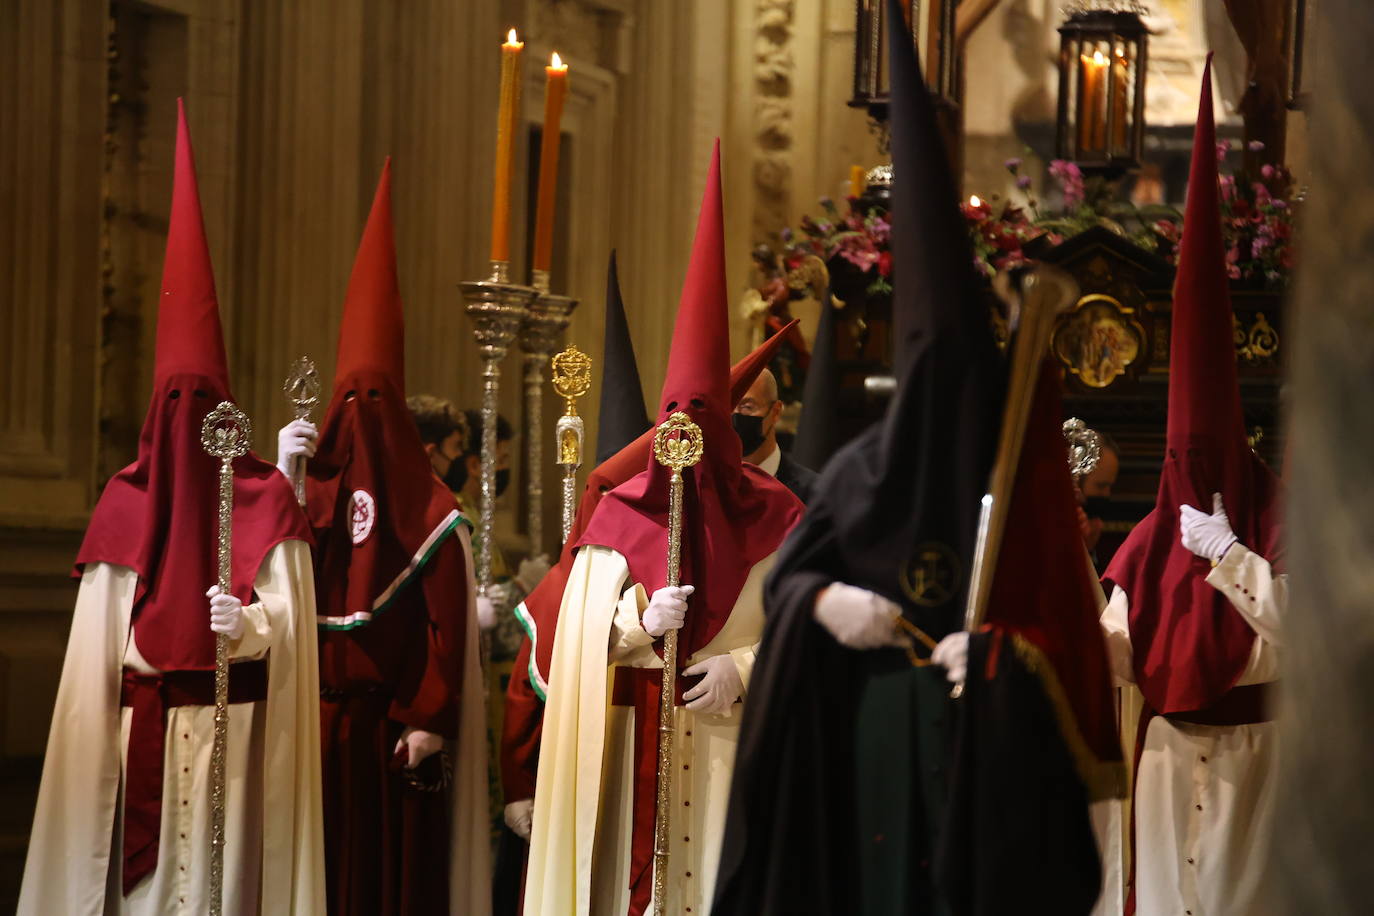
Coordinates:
(1208, 536)
(952, 655)
(486, 613)
(718, 690)
(667, 609)
(532, 569)
(520, 817)
(418, 744)
(296, 439)
(226, 613)
(858, 618)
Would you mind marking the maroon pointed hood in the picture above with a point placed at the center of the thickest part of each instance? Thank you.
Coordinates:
(734, 514)
(1190, 645)
(377, 508)
(159, 515)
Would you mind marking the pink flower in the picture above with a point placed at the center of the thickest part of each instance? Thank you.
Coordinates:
(1013, 164)
(1070, 178)
(1223, 148)
(1023, 182)
(1255, 146)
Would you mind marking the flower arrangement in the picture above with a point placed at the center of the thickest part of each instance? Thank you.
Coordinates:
(1257, 226)
(856, 238)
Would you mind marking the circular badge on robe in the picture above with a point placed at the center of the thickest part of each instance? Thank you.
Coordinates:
(932, 575)
(362, 516)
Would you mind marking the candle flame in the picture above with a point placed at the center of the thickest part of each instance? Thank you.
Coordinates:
(511, 39)
(1097, 58)
(975, 201)
(557, 62)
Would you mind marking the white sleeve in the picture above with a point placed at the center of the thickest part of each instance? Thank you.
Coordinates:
(1248, 582)
(1116, 630)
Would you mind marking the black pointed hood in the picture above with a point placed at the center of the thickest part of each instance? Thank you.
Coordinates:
(621, 417)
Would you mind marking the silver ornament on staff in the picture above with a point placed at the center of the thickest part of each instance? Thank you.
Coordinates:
(302, 389)
(572, 377)
(225, 435)
(678, 445)
(1085, 449)
(539, 332)
(496, 307)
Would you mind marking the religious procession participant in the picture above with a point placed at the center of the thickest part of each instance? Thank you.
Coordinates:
(594, 813)
(538, 613)
(840, 785)
(756, 422)
(124, 815)
(405, 820)
(1194, 621)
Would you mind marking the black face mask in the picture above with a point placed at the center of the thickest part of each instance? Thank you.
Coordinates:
(502, 480)
(457, 474)
(750, 431)
(1096, 506)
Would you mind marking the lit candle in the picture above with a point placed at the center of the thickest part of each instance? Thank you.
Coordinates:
(555, 89)
(507, 121)
(1120, 74)
(975, 201)
(857, 181)
(1092, 126)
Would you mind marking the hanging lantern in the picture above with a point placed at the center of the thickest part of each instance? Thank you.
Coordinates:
(1102, 58)
(871, 84)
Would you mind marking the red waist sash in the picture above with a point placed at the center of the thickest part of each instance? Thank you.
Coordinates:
(150, 696)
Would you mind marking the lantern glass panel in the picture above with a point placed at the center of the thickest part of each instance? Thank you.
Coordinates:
(1101, 85)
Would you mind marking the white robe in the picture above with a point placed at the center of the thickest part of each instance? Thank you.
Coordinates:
(580, 843)
(274, 850)
(469, 878)
(1204, 794)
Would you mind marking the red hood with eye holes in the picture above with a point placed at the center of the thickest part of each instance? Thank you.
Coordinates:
(159, 516)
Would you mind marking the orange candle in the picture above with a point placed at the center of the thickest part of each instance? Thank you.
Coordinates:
(857, 180)
(555, 90)
(1120, 74)
(507, 122)
(1092, 99)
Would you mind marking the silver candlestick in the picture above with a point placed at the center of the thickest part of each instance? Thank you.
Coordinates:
(547, 318)
(496, 307)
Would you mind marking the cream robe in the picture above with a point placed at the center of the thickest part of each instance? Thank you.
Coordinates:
(580, 844)
(274, 850)
(469, 879)
(1204, 795)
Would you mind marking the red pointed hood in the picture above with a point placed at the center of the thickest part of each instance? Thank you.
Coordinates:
(158, 516)
(189, 338)
(378, 511)
(699, 363)
(372, 334)
(1190, 645)
(540, 609)
(734, 514)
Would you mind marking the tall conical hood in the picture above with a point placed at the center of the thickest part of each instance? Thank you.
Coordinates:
(1189, 645)
(372, 334)
(735, 514)
(700, 359)
(621, 417)
(1204, 394)
(189, 338)
(817, 430)
(930, 244)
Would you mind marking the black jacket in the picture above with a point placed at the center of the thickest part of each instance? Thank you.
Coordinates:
(796, 477)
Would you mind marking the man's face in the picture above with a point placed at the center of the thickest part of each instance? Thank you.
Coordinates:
(442, 456)
(761, 400)
(1099, 482)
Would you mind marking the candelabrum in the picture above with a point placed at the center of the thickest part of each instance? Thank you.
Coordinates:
(548, 316)
(496, 307)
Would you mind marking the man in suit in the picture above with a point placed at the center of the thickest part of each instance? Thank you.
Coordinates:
(756, 421)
